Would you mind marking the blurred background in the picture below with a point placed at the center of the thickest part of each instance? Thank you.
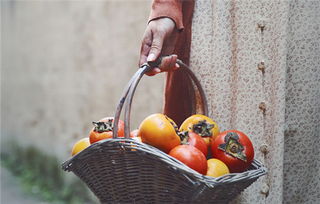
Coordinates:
(64, 64)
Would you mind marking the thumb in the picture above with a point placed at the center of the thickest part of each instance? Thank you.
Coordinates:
(156, 47)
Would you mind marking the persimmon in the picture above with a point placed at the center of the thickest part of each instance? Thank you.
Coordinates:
(159, 131)
(103, 129)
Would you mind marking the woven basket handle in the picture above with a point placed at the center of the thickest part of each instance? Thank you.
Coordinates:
(129, 91)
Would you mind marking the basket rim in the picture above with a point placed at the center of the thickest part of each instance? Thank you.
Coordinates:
(257, 171)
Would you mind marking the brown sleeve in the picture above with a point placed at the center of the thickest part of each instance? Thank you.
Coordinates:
(167, 8)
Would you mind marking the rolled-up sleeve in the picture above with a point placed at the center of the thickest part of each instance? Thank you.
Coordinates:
(167, 8)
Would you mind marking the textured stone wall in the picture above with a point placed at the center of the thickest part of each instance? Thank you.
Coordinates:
(65, 64)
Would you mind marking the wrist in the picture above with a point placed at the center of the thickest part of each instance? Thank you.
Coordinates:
(167, 21)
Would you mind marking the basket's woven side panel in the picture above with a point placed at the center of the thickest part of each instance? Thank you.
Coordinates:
(118, 175)
(123, 171)
(222, 194)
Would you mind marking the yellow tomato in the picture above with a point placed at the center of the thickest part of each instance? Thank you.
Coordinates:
(216, 168)
(202, 125)
(80, 145)
(159, 131)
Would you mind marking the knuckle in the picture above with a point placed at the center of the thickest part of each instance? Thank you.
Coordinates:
(156, 47)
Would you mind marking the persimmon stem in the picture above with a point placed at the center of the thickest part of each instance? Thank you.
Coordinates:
(203, 128)
(233, 147)
(184, 137)
(101, 126)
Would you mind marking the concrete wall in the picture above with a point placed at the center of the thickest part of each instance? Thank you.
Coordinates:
(65, 64)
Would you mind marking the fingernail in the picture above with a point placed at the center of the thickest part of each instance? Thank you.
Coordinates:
(151, 57)
(177, 65)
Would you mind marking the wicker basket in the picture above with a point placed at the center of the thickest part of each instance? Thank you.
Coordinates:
(121, 170)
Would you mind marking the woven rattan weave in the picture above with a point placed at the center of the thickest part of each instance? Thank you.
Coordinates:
(121, 170)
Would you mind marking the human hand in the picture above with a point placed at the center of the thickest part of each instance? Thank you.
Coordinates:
(159, 39)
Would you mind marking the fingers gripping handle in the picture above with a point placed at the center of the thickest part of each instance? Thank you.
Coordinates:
(128, 94)
(156, 63)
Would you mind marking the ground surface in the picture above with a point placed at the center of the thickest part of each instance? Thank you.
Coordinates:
(11, 191)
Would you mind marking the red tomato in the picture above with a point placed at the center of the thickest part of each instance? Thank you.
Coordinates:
(194, 139)
(190, 156)
(103, 129)
(234, 148)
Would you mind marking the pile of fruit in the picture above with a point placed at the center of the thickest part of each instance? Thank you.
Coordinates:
(198, 142)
